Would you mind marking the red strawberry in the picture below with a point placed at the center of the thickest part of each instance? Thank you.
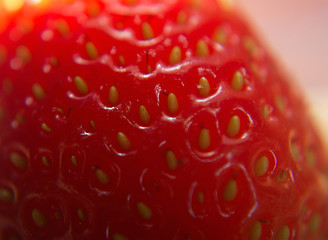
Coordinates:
(152, 120)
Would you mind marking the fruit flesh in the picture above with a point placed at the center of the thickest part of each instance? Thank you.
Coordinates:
(82, 118)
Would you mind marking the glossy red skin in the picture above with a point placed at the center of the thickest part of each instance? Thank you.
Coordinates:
(141, 174)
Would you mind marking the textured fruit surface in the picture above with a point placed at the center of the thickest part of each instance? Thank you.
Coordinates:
(152, 120)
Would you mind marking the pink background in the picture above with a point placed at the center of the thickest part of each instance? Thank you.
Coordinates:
(297, 32)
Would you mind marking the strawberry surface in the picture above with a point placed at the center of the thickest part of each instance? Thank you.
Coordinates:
(152, 120)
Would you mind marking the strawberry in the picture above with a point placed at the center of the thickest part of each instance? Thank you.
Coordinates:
(152, 119)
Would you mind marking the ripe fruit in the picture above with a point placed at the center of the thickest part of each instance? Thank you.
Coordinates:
(152, 120)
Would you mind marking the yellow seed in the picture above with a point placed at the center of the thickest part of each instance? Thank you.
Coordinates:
(93, 9)
(196, 3)
(220, 36)
(45, 161)
(294, 150)
(203, 87)
(200, 197)
(7, 85)
(20, 118)
(280, 103)
(74, 160)
(148, 68)
(250, 46)
(23, 53)
(93, 125)
(282, 176)
(202, 49)
(171, 160)
(255, 232)
(38, 91)
(91, 50)
(309, 157)
(204, 140)
(147, 31)
(144, 211)
(172, 103)
(265, 111)
(60, 110)
(315, 223)
(54, 61)
(144, 115)
(62, 27)
(175, 56)
(81, 85)
(18, 160)
(230, 191)
(3, 55)
(120, 26)
(237, 81)
(182, 17)
(283, 233)
(6, 195)
(45, 127)
(117, 236)
(102, 176)
(39, 218)
(233, 126)
(81, 214)
(113, 96)
(121, 59)
(261, 166)
(58, 215)
(123, 141)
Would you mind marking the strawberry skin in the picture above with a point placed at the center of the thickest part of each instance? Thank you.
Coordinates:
(152, 120)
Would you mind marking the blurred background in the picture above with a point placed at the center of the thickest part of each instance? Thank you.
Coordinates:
(297, 32)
